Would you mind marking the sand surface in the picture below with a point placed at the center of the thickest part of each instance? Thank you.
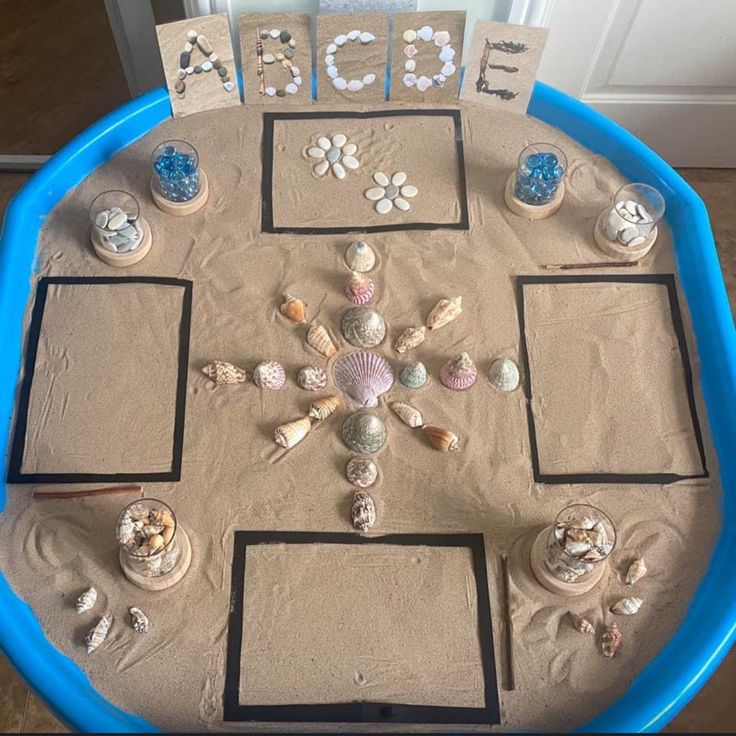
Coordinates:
(235, 478)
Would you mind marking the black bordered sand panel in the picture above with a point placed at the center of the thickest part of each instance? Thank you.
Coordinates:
(16, 474)
(363, 711)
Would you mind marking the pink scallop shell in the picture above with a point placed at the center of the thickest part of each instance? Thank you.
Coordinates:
(269, 375)
(363, 376)
(363, 294)
(457, 377)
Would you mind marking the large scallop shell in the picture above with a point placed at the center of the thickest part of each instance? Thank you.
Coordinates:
(361, 471)
(504, 374)
(459, 373)
(363, 511)
(97, 634)
(441, 439)
(581, 623)
(221, 371)
(323, 408)
(611, 640)
(408, 414)
(413, 375)
(86, 600)
(359, 288)
(139, 620)
(269, 375)
(293, 309)
(363, 376)
(444, 312)
(320, 340)
(288, 435)
(637, 570)
(364, 432)
(363, 327)
(311, 378)
(410, 338)
(627, 606)
(359, 256)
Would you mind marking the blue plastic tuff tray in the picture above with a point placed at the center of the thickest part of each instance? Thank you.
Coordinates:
(709, 628)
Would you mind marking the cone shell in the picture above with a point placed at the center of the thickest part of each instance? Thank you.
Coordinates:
(459, 373)
(413, 375)
(323, 408)
(359, 288)
(408, 414)
(504, 374)
(627, 606)
(410, 338)
(581, 624)
(637, 570)
(222, 372)
(361, 472)
(86, 600)
(318, 338)
(311, 378)
(269, 375)
(359, 256)
(363, 327)
(444, 312)
(363, 376)
(363, 511)
(611, 640)
(97, 634)
(293, 309)
(288, 435)
(441, 439)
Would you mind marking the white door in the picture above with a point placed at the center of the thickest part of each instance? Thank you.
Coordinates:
(664, 69)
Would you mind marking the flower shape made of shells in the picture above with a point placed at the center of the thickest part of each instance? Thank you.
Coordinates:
(336, 154)
(391, 192)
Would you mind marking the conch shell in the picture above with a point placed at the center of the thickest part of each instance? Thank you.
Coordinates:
(581, 623)
(288, 435)
(221, 371)
(318, 338)
(611, 640)
(322, 408)
(441, 439)
(293, 309)
(637, 570)
(97, 634)
(86, 600)
(410, 338)
(359, 288)
(627, 606)
(363, 511)
(444, 312)
(408, 414)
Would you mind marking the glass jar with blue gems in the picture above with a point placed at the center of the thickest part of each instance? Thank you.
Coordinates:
(539, 174)
(176, 170)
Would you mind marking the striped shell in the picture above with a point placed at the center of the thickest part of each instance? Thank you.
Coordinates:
(311, 378)
(627, 606)
(269, 375)
(361, 471)
(288, 435)
(413, 375)
(97, 634)
(459, 373)
(293, 309)
(581, 624)
(320, 340)
(363, 376)
(363, 511)
(611, 640)
(444, 312)
(441, 439)
(86, 600)
(359, 288)
(410, 338)
(323, 408)
(504, 374)
(223, 372)
(408, 414)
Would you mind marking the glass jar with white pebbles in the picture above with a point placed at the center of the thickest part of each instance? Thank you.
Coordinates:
(636, 211)
(115, 219)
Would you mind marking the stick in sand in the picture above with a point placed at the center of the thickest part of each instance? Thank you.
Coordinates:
(575, 266)
(510, 679)
(48, 495)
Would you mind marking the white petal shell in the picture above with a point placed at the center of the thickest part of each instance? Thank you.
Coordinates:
(381, 179)
(375, 193)
(384, 206)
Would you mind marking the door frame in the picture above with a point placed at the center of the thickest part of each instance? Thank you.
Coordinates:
(531, 12)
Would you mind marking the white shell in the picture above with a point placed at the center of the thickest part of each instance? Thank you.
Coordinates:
(381, 179)
(97, 634)
(86, 600)
(369, 78)
(355, 85)
(339, 170)
(359, 256)
(350, 149)
(409, 191)
(441, 38)
(139, 620)
(324, 142)
(637, 570)
(384, 206)
(408, 414)
(424, 83)
(402, 204)
(410, 36)
(627, 606)
(322, 167)
(339, 140)
(339, 83)
(375, 193)
(366, 37)
(504, 374)
(315, 152)
(398, 178)
(425, 33)
(447, 53)
(350, 162)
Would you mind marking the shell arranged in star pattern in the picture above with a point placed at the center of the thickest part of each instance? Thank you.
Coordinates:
(363, 376)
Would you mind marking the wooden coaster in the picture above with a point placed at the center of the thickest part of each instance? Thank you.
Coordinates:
(163, 581)
(180, 209)
(531, 211)
(615, 249)
(120, 260)
(552, 583)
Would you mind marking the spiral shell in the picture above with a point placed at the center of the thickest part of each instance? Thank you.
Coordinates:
(637, 570)
(408, 414)
(611, 640)
(320, 340)
(269, 375)
(363, 511)
(410, 338)
(323, 408)
(413, 375)
(361, 471)
(504, 374)
(441, 439)
(363, 376)
(86, 600)
(223, 372)
(363, 327)
(311, 378)
(359, 288)
(364, 432)
(359, 256)
(444, 312)
(459, 373)
(139, 620)
(627, 606)
(97, 634)
(581, 623)
(288, 435)
(293, 309)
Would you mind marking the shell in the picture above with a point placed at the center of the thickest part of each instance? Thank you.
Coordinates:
(86, 600)
(611, 640)
(359, 256)
(413, 375)
(363, 327)
(627, 606)
(139, 620)
(318, 338)
(364, 432)
(311, 378)
(322, 408)
(293, 309)
(359, 288)
(410, 338)
(408, 414)
(222, 372)
(269, 375)
(459, 373)
(288, 435)
(361, 471)
(363, 511)
(441, 439)
(581, 624)
(637, 570)
(97, 634)
(363, 376)
(504, 374)
(444, 312)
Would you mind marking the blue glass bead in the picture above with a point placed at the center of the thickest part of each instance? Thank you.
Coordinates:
(178, 175)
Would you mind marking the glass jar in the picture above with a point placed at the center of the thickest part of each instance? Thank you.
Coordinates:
(146, 534)
(115, 220)
(580, 540)
(176, 170)
(637, 208)
(539, 173)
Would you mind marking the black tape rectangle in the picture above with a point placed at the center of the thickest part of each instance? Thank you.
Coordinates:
(15, 473)
(667, 280)
(269, 120)
(358, 712)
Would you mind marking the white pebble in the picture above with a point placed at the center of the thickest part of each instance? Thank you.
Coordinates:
(315, 152)
(338, 170)
(329, 60)
(350, 162)
(341, 40)
(424, 83)
(369, 79)
(271, 91)
(275, 33)
(188, 47)
(298, 81)
(101, 219)
(339, 140)
(398, 178)
(181, 73)
(331, 49)
(291, 88)
(350, 149)
(117, 221)
(207, 66)
(339, 83)
(324, 142)
(402, 204)
(333, 72)
(229, 86)
(190, 70)
(192, 35)
(448, 69)
(628, 234)
(375, 193)
(321, 168)
(268, 58)
(425, 33)
(410, 65)
(383, 206)
(355, 85)
(381, 179)
(640, 240)
(213, 57)
(353, 35)
(409, 191)
(366, 37)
